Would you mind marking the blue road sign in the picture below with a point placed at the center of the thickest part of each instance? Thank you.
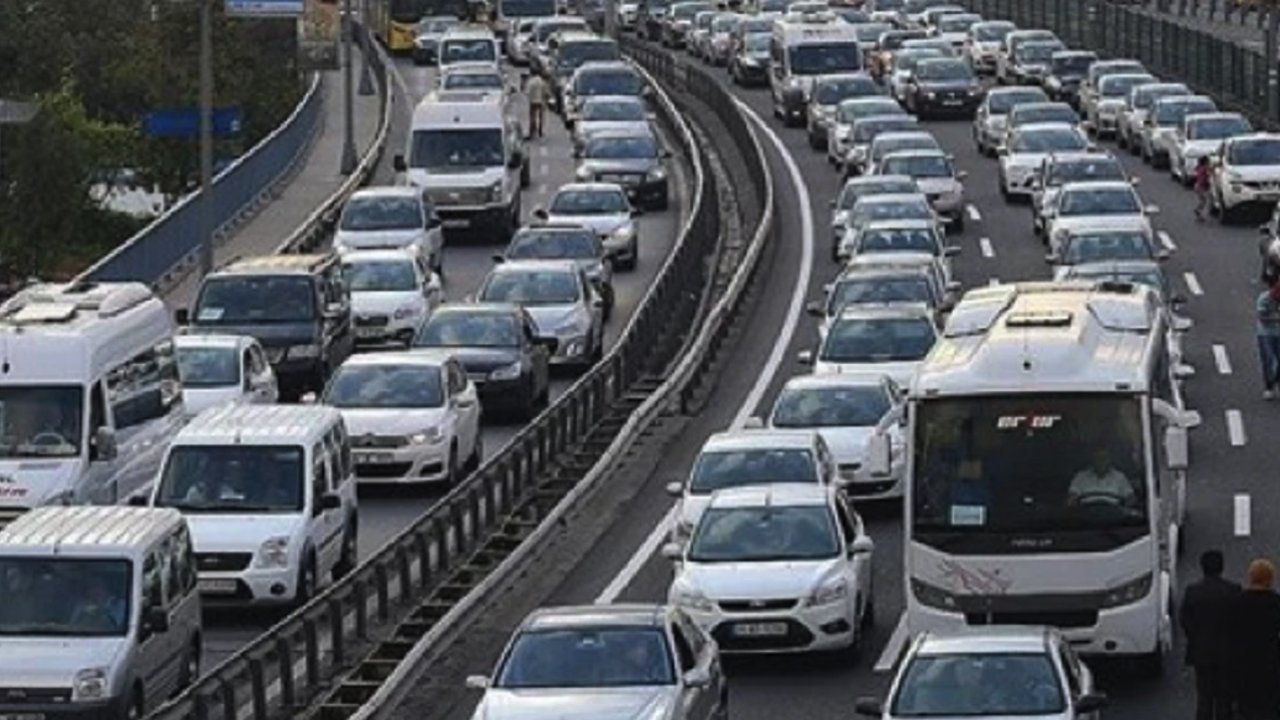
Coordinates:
(185, 122)
(265, 8)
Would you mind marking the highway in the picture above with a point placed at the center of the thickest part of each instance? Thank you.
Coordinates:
(1215, 267)
(384, 511)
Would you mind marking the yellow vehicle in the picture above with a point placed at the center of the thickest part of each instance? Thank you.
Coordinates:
(393, 21)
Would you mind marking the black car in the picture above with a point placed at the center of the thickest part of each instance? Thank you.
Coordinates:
(1067, 69)
(499, 347)
(943, 86)
(653, 14)
(749, 66)
(296, 306)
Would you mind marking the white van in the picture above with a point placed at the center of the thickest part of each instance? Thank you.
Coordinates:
(467, 44)
(799, 51)
(269, 494)
(100, 615)
(467, 152)
(89, 394)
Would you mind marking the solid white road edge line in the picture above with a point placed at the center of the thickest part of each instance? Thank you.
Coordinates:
(1221, 360)
(1243, 515)
(893, 648)
(771, 366)
(987, 250)
(1235, 428)
(1193, 283)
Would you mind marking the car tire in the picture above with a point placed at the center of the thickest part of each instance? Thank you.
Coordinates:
(307, 582)
(136, 709)
(349, 557)
(477, 453)
(451, 467)
(868, 619)
(1150, 665)
(957, 225)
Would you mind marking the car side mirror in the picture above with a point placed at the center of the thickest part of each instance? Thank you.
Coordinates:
(1135, 181)
(1162, 255)
(869, 707)
(1002, 150)
(637, 212)
(1051, 258)
(138, 500)
(540, 213)
(330, 501)
(805, 357)
(156, 620)
(399, 165)
(755, 422)
(697, 678)
(1176, 451)
(104, 443)
(675, 488)
(879, 455)
(1152, 209)
(1181, 323)
(815, 308)
(477, 682)
(515, 161)
(862, 545)
(433, 221)
(498, 258)
(672, 551)
(1090, 703)
(1264, 229)
(951, 250)
(182, 316)
(333, 310)
(962, 174)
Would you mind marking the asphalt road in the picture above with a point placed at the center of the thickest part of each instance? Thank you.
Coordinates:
(1214, 266)
(386, 511)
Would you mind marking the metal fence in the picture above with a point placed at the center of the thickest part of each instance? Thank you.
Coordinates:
(1232, 73)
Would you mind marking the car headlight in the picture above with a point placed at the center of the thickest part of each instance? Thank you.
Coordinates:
(304, 352)
(274, 553)
(623, 234)
(933, 596)
(930, 94)
(1128, 593)
(427, 436)
(506, 372)
(828, 592)
(749, 61)
(656, 174)
(407, 311)
(690, 597)
(1234, 176)
(584, 173)
(89, 684)
(495, 191)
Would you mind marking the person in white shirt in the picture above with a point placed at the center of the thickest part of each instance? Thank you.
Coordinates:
(1101, 481)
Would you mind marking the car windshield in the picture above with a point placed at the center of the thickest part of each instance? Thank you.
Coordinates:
(385, 386)
(1118, 201)
(589, 202)
(917, 166)
(528, 8)
(380, 275)
(1150, 277)
(472, 80)
(53, 596)
(1000, 103)
(877, 340)
(232, 479)
(374, 213)
(986, 684)
(1072, 65)
(613, 111)
(898, 240)
(1172, 114)
(877, 290)
(233, 300)
(587, 657)
(822, 59)
(1061, 173)
(717, 470)
(836, 406)
(895, 210)
(531, 287)
(621, 148)
(1037, 52)
(1044, 114)
(208, 367)
(1218, 128)
(944, 70)
(469, 329)
(853, 192)
(554, 245)
(992, 32)
(608, 82)
(1255, 152)
(40, 421)
(469, 50)
(1096, 247)
(864, 131)
(830, 92)
(574, 54)
(1028, 463)
(470, 148)
(1048, 140)
(848, 112)
(794, 533)
(1121, 85)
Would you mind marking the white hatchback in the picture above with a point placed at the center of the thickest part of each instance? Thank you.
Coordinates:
(393, 292)
(223, 369)
(391, 217)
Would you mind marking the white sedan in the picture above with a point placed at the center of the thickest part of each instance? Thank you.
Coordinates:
(393, 292)
(1027, 148)
(604, 208)
(891, 340)
(1101, 204)
(391, 217)
(566, 308)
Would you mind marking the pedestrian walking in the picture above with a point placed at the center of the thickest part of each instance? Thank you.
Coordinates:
(1256, 644)
(1268, 331)
(536, 90)
(1200, 183)
(1207, 608)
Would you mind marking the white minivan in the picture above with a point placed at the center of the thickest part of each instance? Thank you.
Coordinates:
(269, 494)
(100, 617)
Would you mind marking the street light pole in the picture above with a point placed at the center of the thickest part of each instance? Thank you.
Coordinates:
(206, 136)
(348, 102)
(366, 48)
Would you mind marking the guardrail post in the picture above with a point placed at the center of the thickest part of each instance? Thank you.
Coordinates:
(406, 573)
(284, 653)
(384, 604)
(423, 542)
(337, 639)
(360, 591)
(228, 692)
(311, 646)
(259, 688)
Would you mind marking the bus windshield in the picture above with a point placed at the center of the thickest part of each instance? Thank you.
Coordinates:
(1028, 464)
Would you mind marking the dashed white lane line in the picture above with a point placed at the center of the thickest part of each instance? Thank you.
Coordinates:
(543, 170)
(794, 311)
(1221, 360)
(1242, 515)
(543, 151)
(974, 215)
(987, 250)
(893, 649)
(1235, 428)
(1193, 283)
(1167, 241)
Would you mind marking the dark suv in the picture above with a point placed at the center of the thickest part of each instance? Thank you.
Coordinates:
(297, 306)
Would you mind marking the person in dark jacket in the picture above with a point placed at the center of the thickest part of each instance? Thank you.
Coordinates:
(1207, 609)
(1256, 644)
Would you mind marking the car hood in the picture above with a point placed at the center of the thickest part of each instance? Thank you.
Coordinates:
(1111, 103)
(620, 703)
(460, 178)
(757, 580)
(618, 165)
(235, 532)
(847, 444)
(390, 421)
(1252, 173)
(364, 302)
(271, 335)
(197, 400)
(364, 239)
(484, 359)
(1100, 222)
(1024, 160)
(938, 186)
(549, 317)
(601, 224)
(52, 662)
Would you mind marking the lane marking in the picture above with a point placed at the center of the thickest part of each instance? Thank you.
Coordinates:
(1221, 360)
(794, 312)
(1235, 428)
(974, 215)
(1193, 283)
(1243, 515)
(541, 189)
(543, 151)
(987, 250)
(543, 170)
(1167, 241)
(893, 649)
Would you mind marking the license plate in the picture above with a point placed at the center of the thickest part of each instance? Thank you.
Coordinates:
(457, 223)
(952, 103)
(765, 629)
(215, 587)
(373, 458)
(369, 332)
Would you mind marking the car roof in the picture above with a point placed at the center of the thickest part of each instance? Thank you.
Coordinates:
(379, 255)
(590, 187)
(535, 264)
(758, 439)
(899, 224)
(772, 495)
(986, 640)
(1085, 185)
(919, 152)
(923, 260)
(586, 616)
(405, 191)
(423, 357)
(878, 180)
(620, 99)
(1074, 53)
(885, 311)
(836, 380)
(476, 308)
(892, 198)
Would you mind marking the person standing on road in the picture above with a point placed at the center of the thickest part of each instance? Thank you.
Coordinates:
(536, 90)
(1207, 608)
(1256, 644)
(1200, 183)
(1268, 331)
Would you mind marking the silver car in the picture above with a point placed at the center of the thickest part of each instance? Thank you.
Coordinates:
(562, 301)
(991, 120)
(604, 208)
(936, 176)
(609, 113)
(606, 662)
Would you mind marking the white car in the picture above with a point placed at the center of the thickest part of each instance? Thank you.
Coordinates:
(223, 369)
(936, 176)
(611, 113)
(991, 119)
(391, 217)
(1138, 105)
(890, 340)
(878, 208)
(1097, 204)
(1160, 133)
(746, 458)
(894, 237)
(954, 28)
(1246, 171)
(887, 143)
(826, 94)
(845, 410)
(520, 41)
(1105, 244)
(1027, 148)
(777, 568)
(865, 131)
(393, 292)
(1008, 672)
(867, 281)
(565, 306)
(604, 208)
(413, 416)
(859, 187)
(1061, 169)
(1039, 113)
(848, 112)
(1201, 136)
(1104, 112)
(1031, 61)
(479, 76)
(1088, 96)
(983, 41)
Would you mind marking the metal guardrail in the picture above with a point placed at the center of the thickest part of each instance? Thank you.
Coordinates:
(410, 584)
(1235, 75)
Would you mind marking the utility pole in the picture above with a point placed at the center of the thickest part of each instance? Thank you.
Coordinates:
(348, 101)
(366, 48)
(206, 137)
(1273, 73)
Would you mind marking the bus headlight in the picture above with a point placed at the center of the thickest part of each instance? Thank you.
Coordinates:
(933, 596)
(89, 684)
(1128, 593)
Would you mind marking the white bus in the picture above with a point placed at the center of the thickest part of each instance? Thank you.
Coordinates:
(1046, 468)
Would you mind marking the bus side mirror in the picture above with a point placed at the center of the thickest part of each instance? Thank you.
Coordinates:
(1175, 448)
(879, 458)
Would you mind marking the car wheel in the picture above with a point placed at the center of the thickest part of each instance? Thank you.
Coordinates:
(957, 225)
(477, 453)
(349, 556)
(136, 709)
(1151, 665)
(451, 467)
(868, 615)
(306, 582)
